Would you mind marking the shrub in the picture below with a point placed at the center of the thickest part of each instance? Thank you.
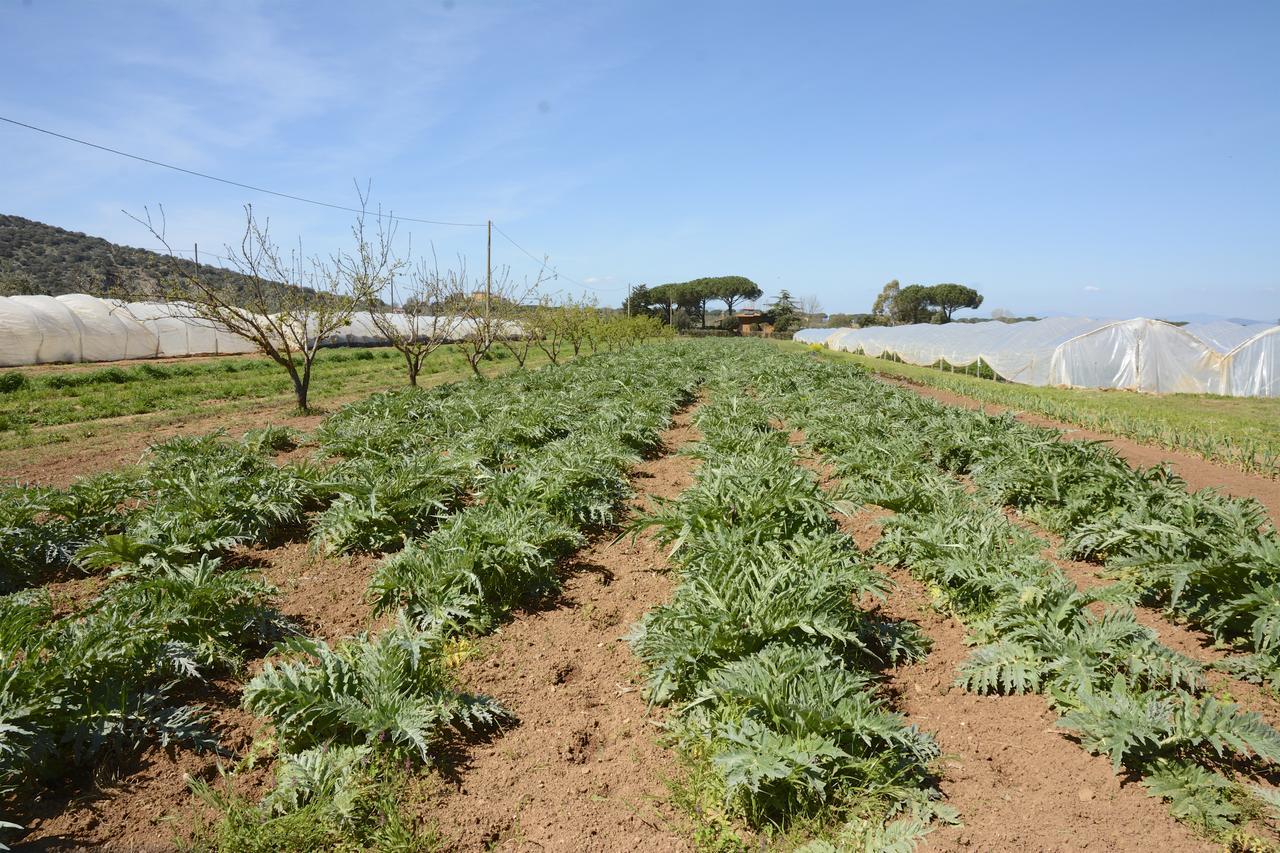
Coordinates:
(13, 381)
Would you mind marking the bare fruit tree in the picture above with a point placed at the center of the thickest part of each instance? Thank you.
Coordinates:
(405, 301)
(490, 313)
(286, 305)
(812, 309)
(414, 317)
(545, 328)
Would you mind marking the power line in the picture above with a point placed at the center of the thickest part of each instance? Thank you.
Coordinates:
(230, 182)
(543, 263)
(540, 261)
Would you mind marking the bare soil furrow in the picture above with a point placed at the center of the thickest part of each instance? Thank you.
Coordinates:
(1017, 782)
(582, 770)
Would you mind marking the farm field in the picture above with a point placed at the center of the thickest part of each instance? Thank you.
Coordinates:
(1242, 432)
(693, 595)
(83, 411)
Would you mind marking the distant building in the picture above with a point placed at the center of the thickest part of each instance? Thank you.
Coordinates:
(752, 321)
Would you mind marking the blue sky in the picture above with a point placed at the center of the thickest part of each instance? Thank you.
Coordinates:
(1071, 157)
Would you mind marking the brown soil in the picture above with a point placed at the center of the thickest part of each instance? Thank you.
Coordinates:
(1198, 472)
(139, 807)
(146, 805)
(582, 769)
(62, 464)
(1018, 783)
(1179, 636)
(324, 595)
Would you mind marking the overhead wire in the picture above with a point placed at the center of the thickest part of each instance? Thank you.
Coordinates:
(230, 182)
(542, 262)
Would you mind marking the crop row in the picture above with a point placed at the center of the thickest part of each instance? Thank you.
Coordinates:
(511, 472)
(1116, 688)
(393, 464)
(767, 662)
(1176, 422)
(374, 702)
(1206, 557)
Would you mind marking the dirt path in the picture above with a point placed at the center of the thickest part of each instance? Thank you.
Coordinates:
(1199, 473)
(582, 771)
(120, 446)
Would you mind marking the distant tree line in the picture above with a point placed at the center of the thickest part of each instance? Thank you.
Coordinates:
(916, 303)
(690, 298)
(897, 306)
(685, 304)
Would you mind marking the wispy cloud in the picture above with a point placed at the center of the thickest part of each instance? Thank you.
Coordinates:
(1090, 288)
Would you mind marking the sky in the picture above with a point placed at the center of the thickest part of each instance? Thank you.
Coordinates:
(1113, 159)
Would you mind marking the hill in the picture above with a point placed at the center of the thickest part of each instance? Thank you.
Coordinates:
(44, 259)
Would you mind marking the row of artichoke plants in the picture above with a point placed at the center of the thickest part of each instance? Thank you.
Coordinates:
(1116, 688)
(483, 484)
(767, 661)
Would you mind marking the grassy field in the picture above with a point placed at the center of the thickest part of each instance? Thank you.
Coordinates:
(1240, 431)
(60, 403)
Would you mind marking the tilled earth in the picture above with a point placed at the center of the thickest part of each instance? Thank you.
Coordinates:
(582, 770)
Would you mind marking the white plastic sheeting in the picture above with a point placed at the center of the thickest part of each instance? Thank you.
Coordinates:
(1138, 354)
(362, 330)
(811, 336)
(180, 331)
(1224, 335)
(1254, 366)
(58, 329)
(108, 333)
(77, 327)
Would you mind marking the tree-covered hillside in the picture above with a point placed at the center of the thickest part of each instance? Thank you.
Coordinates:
(45, 259)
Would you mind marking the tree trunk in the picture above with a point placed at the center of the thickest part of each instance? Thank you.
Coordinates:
(301, 387)
(414, 365)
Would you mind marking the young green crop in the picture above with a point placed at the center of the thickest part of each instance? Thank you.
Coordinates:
(761, 651)
(1116, 687)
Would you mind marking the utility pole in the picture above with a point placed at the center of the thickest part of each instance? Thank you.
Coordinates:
(488, 273)
(628, 299)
